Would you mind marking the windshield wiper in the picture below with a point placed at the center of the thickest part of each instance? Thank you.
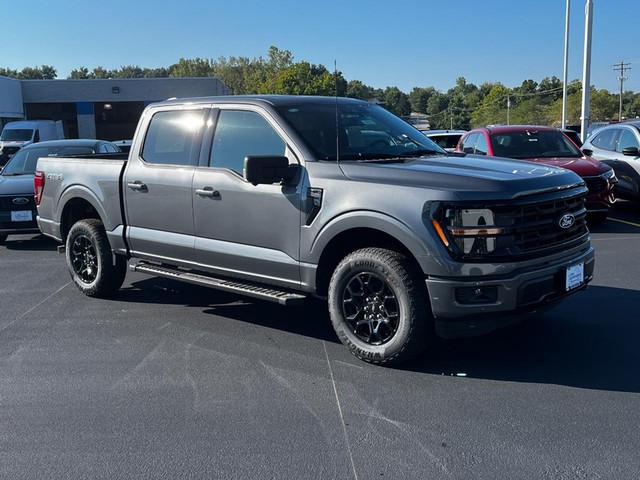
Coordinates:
(364, 156)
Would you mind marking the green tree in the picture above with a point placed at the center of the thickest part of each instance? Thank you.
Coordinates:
(419, 99)
(397, 102)
(493, 109)
(80, 73)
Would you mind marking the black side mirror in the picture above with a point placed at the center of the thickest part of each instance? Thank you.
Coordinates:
(631, 152)
(587, 152)
(268, 169)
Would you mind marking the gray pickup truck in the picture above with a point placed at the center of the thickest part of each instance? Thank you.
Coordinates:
(282, 198)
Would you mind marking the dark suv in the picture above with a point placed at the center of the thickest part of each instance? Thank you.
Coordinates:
(549, 146)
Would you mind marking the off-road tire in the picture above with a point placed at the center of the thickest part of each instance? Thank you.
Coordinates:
(90, 260)
(378, 306)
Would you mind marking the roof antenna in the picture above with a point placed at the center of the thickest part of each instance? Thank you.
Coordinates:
(335, 76)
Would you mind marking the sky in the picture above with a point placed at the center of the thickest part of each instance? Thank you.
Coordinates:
(407, 44)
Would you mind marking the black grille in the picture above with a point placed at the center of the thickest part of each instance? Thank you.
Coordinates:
(531, 227)
(10, 150)
(535, 227)
(595, 184)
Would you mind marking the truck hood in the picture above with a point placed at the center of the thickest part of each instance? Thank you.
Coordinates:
(468, 177)
(583, 166)
(16, 185)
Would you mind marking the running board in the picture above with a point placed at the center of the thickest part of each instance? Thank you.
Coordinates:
(282, 297)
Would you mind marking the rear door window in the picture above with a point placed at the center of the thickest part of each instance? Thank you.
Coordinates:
(605, 139)
(173, 137)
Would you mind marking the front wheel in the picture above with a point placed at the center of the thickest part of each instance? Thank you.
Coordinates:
(377, 304)
(90, 261)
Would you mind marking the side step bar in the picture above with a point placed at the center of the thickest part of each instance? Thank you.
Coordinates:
(282, 297)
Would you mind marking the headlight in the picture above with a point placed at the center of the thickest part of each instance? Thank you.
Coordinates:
(468, 231)
(610, 175)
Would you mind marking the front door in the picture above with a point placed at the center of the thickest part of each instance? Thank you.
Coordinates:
(250, 231)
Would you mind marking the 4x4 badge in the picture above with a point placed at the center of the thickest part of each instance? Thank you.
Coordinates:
(566, 221)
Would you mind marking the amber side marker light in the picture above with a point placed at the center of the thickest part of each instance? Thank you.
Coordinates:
(440, 232)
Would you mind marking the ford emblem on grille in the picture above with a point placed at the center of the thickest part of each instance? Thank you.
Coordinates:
(566, 221)
(20, 201)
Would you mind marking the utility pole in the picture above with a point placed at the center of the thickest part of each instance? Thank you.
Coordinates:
(621, 67)
(508, 108)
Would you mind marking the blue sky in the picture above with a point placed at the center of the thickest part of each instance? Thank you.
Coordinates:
(414, 43)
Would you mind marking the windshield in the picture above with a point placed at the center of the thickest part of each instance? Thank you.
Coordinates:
(16, 135)
(25, 160)
(363, 132)
(533, 144)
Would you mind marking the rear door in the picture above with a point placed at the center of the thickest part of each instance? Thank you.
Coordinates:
(157, 185)
(244, 230)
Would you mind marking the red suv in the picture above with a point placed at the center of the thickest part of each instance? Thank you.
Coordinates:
(549, 146)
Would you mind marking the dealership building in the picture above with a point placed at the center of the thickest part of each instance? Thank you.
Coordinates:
(108, 109)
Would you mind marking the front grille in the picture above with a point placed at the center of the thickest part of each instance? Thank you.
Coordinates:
(595, 184)
(10, 150)
(532, 228)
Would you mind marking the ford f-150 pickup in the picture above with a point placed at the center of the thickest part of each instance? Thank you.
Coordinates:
(282, 198)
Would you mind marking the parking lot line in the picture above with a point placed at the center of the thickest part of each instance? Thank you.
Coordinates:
(625, 222)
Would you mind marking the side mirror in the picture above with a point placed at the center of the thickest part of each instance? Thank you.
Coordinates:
(631, 152)
(267, 169)
(587, 152)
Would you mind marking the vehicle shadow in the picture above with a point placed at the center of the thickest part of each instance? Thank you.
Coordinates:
(30, 243)
(588, 341)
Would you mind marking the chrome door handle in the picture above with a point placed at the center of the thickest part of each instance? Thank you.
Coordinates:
(137, 185)
(207, 192)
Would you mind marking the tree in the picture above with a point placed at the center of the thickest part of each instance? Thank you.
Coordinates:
(493, 109)
(80, 73)
(419, 98)
(397, 102)
(357, 89)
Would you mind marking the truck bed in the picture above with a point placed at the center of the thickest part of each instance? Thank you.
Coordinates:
(98, 177)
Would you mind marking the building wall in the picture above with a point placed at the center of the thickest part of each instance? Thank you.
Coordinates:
(11, 105)
(91, 97)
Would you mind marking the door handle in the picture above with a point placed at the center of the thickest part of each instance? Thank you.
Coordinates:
(208, 192)
(137, 185)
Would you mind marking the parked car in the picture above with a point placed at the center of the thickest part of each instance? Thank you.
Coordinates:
(17, 208)
(549, 146)
(447, 139)
(573, 135)
(618, 145)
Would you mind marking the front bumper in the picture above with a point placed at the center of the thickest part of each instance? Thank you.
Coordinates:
(519, 294)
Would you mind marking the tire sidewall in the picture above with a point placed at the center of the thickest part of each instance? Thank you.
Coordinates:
(361, 263)
(90, 231)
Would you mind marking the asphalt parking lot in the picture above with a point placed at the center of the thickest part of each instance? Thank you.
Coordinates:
(169, 380)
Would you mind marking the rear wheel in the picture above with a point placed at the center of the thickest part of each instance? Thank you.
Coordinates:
(90, 262)
(377, 303)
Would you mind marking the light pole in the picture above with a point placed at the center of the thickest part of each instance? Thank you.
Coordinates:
(566, 61)
(586, 69)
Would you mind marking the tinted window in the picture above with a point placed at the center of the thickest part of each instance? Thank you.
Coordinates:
(627, 139)
(25, 160)
(171, 137)
(605, 139)
(481, 145)
(240, 134)
(467, 145)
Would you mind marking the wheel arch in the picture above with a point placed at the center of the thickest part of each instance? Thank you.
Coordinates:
(351, 239)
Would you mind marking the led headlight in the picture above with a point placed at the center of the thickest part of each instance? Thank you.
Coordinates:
(471, 230)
